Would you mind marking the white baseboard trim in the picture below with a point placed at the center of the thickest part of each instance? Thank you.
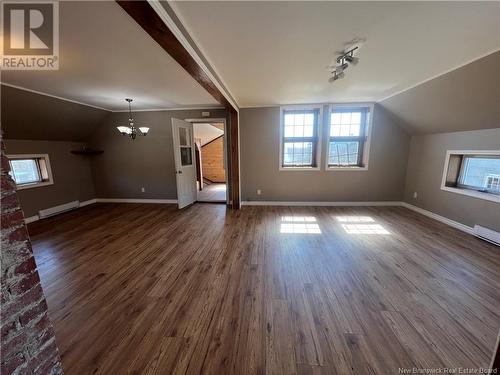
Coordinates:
(320, 204)
(125, 200)
(452, 223)
(34, 218)
(31, 219)
(445, 220)
(86, 203)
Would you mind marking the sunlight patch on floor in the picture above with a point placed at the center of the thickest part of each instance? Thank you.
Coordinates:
(361, 225)
(299, 224)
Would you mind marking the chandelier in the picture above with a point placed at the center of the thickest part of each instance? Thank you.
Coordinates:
(131, 130)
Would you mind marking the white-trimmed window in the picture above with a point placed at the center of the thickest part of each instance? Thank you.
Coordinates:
(30, 170)
(473, 173)
(300, 132)
(349, 137)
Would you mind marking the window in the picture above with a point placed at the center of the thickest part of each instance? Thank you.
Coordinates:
(348, 137)
(474, 173)
(299, 138)
(30, 170)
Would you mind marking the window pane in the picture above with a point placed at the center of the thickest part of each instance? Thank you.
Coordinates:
(345, 118)
(354, 130)
(186, 156)
(299, 119)
(300, 124)
(335, 118)
(346, 124)
(289, 119)
(356, 118)
(183, 137)
(343, 153)
(309, 119)
(481, 173)
(298, 131)
(308, 131)
(297, 153)
(25, 171)
(334, 131)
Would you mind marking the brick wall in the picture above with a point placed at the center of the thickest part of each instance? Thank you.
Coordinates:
(28, 342)
(212, 159)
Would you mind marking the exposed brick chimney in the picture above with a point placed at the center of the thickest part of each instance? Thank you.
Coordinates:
(28, 342)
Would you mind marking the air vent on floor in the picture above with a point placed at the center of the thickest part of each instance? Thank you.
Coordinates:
(487, 234)
(58, 209)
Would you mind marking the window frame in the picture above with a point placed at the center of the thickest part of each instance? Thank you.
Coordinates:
(464, 190)
(316, 153)
(364, 155)
(45, 182)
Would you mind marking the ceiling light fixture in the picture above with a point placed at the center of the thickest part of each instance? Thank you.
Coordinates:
(131, 130)
(342, 63)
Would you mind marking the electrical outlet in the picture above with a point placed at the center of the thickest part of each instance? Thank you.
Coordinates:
(205, 114)
(143, 189)
(259, 192)
(415, 195)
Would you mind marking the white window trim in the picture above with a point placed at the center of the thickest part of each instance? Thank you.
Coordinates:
(470, 193)
(319, 144)
(366, 144)
(34, 156)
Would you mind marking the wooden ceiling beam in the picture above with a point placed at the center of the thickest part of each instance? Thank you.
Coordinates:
(143, 13)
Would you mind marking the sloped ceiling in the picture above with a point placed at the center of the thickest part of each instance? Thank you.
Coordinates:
(26, 115)
(105, 57)
(467, 98)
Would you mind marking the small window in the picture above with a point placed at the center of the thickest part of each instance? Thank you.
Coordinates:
(348, 137)
(474, 173)
(30, 170)
(300, 134)
(481, 173)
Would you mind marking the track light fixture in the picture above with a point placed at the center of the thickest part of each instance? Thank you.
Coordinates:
(342, 63)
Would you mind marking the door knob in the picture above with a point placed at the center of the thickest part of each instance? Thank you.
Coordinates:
(180, 172)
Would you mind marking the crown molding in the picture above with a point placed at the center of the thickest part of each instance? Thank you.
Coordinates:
(54, 96)
(106, 109)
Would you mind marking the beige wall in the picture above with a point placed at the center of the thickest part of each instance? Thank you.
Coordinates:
(71, 174)
(463, 99)
(425, 171)
(128, 165)
(383, 181)
(27, 115)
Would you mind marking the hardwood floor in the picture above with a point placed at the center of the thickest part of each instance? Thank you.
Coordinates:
(148, 289)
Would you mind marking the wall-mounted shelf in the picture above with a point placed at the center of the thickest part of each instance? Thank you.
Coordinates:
(87, 152)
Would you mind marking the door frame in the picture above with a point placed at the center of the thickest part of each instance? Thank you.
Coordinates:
(225, 156)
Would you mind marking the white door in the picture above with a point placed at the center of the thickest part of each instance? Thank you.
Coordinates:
(185, 166)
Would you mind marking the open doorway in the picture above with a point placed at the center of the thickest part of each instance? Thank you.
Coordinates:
(210, 151)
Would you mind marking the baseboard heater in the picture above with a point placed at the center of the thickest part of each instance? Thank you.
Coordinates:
(58, 209)
(487, 234)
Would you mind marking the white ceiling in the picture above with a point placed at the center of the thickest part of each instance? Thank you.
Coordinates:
(271, 53)
(206, 132)
(105, 57)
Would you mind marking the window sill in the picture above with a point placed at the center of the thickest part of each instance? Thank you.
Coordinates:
(301, 169)
(473, 193)
(347, 169)
(35, 185)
